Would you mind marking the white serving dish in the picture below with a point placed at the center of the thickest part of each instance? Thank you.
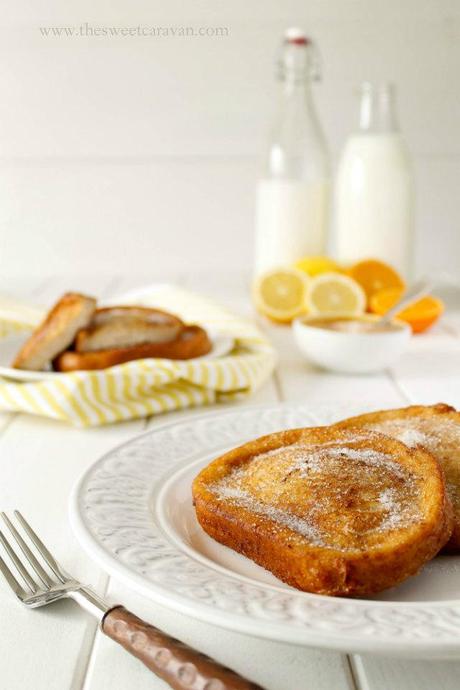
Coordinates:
(350, 352)
(132, 512)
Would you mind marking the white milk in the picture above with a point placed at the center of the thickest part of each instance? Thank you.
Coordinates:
(374, 201)
(292, 191)
(291, 221)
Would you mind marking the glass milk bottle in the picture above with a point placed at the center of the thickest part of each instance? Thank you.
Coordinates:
(293, 193)
(374, 187)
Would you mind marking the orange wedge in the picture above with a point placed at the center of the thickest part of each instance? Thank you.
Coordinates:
(374, 275)
(420, 315)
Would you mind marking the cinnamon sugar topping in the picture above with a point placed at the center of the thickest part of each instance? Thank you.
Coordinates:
(439, 434)
(338, 494)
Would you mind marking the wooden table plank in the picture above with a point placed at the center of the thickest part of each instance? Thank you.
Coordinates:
(381, 673)
(430, 371)
(41, 460)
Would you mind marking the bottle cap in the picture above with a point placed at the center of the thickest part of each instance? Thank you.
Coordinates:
(296, 36)
(299, 58)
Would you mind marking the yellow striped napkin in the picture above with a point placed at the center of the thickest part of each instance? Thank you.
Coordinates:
(150, 386)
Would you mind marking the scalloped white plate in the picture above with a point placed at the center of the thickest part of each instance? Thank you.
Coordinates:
(132, 512)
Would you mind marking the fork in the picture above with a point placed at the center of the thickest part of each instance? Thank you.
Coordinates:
(44, 581)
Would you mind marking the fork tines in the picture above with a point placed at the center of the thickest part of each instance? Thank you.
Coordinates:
(34, 575)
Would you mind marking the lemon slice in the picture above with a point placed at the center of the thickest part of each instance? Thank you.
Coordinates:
(314, 265)
(334, 293)
(280, 294)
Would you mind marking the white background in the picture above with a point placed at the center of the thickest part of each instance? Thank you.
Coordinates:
(137, 153)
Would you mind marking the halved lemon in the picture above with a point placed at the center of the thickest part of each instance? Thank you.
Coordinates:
(334, 293)
(374, 275)
(280, 294)
(315, 265)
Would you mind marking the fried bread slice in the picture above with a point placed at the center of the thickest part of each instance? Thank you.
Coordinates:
(436, 428)
(119, 327)
(192, 341)
(327, 510)
(58, 330)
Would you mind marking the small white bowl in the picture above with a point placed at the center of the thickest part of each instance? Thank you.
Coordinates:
(350, 352)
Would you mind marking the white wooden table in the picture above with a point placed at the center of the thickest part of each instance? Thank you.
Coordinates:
(59, 648)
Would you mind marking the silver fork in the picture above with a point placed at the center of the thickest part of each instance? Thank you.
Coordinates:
(43, 581)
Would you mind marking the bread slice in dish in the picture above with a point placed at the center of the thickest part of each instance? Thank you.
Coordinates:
(434, 427)
(191, 342)
(120, 327)
(56, 333)
(330, 511)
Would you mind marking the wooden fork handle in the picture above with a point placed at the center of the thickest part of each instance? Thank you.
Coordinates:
(179, 665)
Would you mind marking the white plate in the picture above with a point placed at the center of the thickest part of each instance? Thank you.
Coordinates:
(132, 512)
(9, 346)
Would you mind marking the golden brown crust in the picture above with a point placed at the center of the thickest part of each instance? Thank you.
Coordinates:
(436, 428)
(124, 326)
(58, 330)
(319, 537)
(192, 341)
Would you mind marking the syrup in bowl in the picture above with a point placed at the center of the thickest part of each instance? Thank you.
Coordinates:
(353, 324)
(351, 344)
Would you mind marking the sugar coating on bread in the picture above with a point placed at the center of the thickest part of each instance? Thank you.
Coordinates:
(434, 427)
(297, 487)
(326, 510)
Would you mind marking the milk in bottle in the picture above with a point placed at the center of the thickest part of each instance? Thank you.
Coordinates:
(293, 192)
(374, 188)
